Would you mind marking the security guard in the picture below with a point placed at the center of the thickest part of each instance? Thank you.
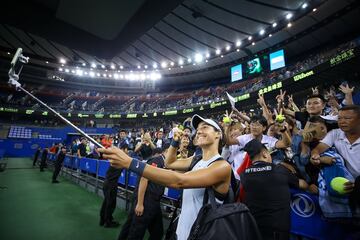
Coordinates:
(37, 153)
(110, 192)
(267, 192)
(43, 159)
(145, 212)
(58, 164)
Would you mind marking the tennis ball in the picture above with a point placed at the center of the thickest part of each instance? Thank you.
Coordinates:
(226, 120)
(280, 118)
(337, 184)
(181, 127)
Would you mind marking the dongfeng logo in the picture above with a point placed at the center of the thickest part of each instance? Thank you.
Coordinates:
(302, 205)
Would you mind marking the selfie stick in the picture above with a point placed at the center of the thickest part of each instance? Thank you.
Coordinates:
(20, 59)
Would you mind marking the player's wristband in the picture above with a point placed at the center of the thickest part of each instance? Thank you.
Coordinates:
(137, 166)
(175, 144)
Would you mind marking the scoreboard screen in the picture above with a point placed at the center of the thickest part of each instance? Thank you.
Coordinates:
(277, 60)
(236, 73)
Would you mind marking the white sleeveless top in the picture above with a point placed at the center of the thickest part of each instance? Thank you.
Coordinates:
(192, 201)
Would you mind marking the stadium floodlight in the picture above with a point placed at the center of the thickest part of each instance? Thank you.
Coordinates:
(163, 64)
(62, 61)
(305, 5)
(142, 76)
(222, 56)
(102, 66)
(67, 70)
(289, 25)
(270, 35)
(227, 48)
(155, 65)
(262, 32)
(206, 60)
(314, 9)
(289, 16)
(79, 72)
(238, 43)
(116, 76)
(47, 62)
(274, 24)
(172, 63)
(84, 64)
(155, 76)
(253, 43)
(249, 38)
(217, 51)
(145, 66)
(138, 66)
(121, 67)
(93, 65)
(92, 74)
(121, 76)
(15, 69)
(181, 62)
(189, 60)
(73, 71)
(60, 69)
(238, 50)
(207, 55)
(112, 66)
(104, 75)
(181, 66)
(198, 57)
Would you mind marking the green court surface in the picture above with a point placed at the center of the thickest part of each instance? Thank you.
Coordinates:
(31, 207)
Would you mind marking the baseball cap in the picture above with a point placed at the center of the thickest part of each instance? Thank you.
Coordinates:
(196, 119)
(253, 148)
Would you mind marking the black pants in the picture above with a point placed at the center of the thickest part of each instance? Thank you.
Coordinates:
(109, 204)
(57, 170)
(35, 158)
(42, 164)
(134, 228)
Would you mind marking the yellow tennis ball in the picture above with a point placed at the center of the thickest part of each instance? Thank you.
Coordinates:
(181, 127)
(226, 120)
(337, 184)
(280, 118)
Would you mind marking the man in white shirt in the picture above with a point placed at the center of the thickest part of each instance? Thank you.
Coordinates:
(258, 125)
(346, 141)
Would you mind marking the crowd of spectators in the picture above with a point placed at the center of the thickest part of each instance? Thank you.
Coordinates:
(314, 143)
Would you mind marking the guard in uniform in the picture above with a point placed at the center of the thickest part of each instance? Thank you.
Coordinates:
(58, 164)
(145, 213)
(43, 159)
(36, 156)
(110, 192)
(267, 192)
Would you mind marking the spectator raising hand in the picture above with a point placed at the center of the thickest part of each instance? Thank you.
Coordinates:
(344, 88)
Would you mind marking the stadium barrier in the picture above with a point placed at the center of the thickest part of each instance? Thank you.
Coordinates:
(306, 215)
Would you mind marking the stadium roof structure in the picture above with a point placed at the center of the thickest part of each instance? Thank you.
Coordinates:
(185, 41)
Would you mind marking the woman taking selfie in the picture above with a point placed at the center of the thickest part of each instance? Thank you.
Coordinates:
(210, 171)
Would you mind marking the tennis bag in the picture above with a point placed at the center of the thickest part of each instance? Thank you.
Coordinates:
(230, 221)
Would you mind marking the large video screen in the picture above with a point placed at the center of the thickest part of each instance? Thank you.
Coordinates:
(277, 60)
(236, 73)
(253, 66)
